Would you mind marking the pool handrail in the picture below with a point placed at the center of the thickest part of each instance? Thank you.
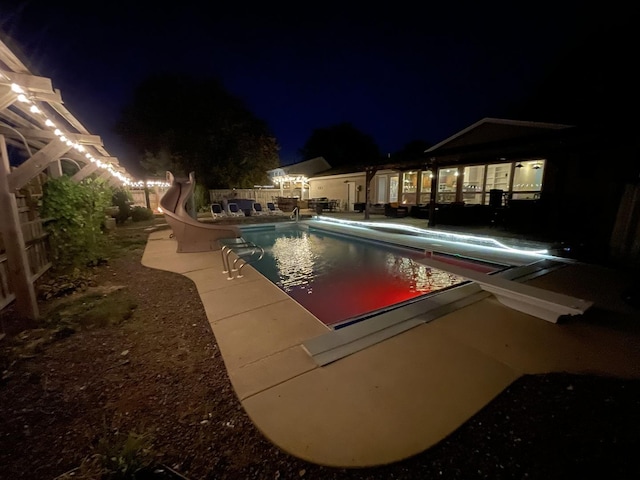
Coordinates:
(241, 248)
(295, 213)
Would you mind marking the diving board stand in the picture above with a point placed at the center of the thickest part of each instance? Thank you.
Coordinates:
(528, 299)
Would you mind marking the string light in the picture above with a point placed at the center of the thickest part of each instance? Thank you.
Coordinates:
(21, 97)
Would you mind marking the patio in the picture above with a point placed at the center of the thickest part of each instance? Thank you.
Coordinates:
(405, 394)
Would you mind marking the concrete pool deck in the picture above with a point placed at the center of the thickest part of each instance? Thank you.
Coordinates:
(403, 395)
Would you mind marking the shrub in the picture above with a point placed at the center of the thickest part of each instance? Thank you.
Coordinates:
(141, 214)
(201, 198)
(77, 213)
(122, 199)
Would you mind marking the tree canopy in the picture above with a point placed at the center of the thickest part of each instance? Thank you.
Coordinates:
(414, 151)
(183, 124)
(341, 145)
(593, 84)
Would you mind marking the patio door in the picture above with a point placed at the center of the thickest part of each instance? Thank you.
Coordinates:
(351, 195)
(381, 190)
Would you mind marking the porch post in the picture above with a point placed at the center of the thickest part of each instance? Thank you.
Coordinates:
(460, 184)
(433, 198)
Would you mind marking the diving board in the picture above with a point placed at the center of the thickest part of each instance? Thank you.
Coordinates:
(528, 299)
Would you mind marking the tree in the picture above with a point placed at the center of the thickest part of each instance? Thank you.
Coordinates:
(193, 124)
(413, 152)
(592, 84)
(344, 145)
(341, 145)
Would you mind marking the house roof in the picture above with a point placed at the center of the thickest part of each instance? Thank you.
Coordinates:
(492, 130)
(307, 167)
(493, 139)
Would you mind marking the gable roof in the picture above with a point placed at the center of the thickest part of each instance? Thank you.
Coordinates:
(495, 130)
(307, 167)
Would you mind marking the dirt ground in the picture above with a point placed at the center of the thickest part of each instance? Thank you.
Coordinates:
(123, 379)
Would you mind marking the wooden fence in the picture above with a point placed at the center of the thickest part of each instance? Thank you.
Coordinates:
(37, 248)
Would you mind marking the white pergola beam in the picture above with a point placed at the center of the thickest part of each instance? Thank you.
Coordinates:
(84, 172)
(11, 60)
(81, 138)
(31, 83)
(7, 97)
(51, 152)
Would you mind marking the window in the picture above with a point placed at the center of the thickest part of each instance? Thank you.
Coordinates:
(472, 184)
(498, 177)
(447, 185)
(527, 179)
(393, 189)
(409, 187)
(425, 187)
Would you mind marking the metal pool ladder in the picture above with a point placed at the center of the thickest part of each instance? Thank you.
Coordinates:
(246, 252)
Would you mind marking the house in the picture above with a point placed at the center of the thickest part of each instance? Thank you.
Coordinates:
(564, 182)
(293, 179)
(348, 186)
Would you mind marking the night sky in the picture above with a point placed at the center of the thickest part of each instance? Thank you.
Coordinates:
(398, 72)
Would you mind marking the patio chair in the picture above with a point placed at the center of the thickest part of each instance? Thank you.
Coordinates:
(234, 210)
(217, 211)
(258, 210)
(273, 210)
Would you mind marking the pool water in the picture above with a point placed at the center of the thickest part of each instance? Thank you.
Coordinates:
(339, 279)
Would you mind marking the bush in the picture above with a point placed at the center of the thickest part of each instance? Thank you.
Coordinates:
(77, 212)
(141, 214)
(122, 199)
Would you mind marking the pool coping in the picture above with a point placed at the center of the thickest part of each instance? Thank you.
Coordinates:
(400, 396)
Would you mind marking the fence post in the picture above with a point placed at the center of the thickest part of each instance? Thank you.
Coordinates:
(17, 261)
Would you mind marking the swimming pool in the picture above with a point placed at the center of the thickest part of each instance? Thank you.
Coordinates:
(342, 279)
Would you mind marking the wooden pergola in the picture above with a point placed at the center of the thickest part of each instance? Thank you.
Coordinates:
(38, 132)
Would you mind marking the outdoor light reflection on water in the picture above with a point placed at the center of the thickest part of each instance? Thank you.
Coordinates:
(295, 258)
(338, 279)
(420, 278)
(305, 259)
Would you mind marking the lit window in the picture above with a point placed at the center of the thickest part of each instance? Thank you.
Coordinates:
(527, 179)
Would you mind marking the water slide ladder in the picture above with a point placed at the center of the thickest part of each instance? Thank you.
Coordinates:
(245, 252)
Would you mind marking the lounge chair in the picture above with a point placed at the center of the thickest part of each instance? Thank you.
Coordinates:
(217, 211)
(273, 210)
(234, 210)
(258, 210)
